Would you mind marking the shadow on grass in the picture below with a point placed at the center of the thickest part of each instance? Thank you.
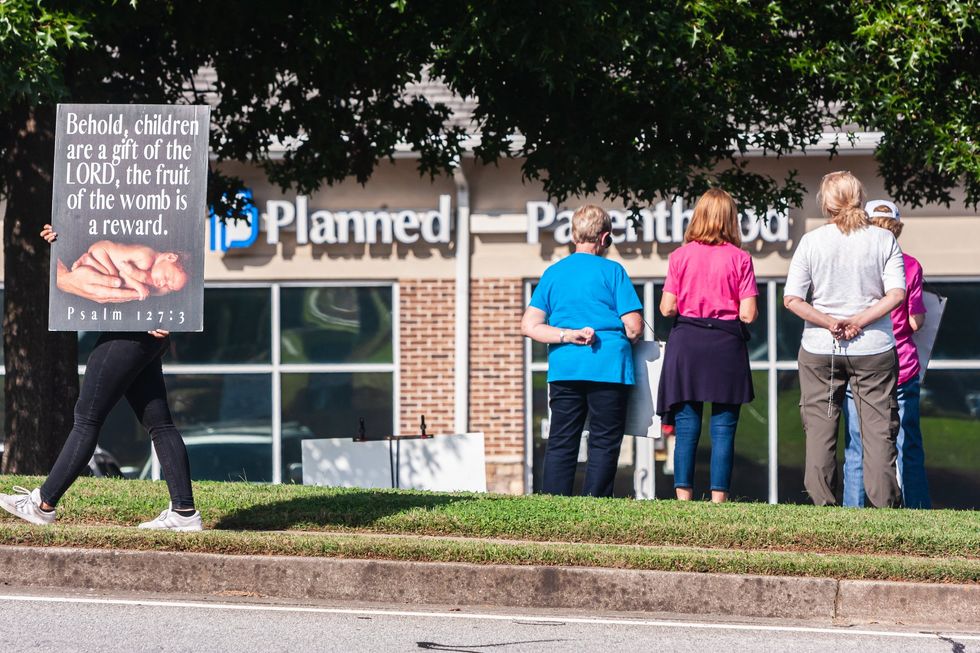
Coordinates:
(347, 509)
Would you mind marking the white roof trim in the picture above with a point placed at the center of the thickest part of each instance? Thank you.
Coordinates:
(848, 144)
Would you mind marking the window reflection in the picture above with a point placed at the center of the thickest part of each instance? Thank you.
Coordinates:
(950, 419)
(950, 407)
(750, 475)
(792, 441)
(236, 330)
(331, 406)
(226, 417)
(539, 419)
(789, 329)
(125, 439)
(336, 325)
(539, 352)
(226, 421)
(957, 337)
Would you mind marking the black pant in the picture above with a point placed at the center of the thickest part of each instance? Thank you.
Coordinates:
(123, 364)
(571, 402)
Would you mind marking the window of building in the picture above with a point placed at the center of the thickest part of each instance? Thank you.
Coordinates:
(276, 363)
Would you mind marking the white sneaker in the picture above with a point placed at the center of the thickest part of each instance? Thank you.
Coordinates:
(26, 504)
(172, 521)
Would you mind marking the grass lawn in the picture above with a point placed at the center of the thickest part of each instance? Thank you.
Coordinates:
(747, 538)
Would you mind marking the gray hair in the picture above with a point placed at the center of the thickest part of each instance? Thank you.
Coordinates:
(588, 222)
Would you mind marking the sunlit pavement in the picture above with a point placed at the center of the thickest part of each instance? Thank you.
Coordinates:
(47, 620)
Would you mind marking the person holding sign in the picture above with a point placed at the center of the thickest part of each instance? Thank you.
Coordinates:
(906, 320)
(857, 277)
(121, 364)
(587, 312)
(711, 292)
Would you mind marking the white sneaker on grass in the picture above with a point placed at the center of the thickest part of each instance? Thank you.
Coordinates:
(168, 520)
(26, 504)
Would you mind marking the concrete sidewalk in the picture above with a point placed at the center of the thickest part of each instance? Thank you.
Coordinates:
(821, 600)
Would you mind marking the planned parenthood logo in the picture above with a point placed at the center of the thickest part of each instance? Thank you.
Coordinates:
(232, 234)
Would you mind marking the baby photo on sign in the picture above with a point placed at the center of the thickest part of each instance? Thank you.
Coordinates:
(134, 267)
(128, 211)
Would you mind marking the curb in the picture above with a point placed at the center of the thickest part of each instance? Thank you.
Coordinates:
(511, 586)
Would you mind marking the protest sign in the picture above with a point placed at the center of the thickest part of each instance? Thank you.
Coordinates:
(925, 338)
(641, 410)
(128, 205)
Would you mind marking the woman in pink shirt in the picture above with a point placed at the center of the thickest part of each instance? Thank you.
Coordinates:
(711, 290)
(906, 320)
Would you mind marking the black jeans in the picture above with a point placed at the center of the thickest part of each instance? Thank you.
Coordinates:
(123, 364)
(571, 402)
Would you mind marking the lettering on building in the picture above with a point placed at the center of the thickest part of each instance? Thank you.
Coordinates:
(323, 227)
(658, 224)
(661, 223)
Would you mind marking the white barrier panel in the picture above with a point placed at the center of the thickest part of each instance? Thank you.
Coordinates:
(641, 411)
(925, 338)
(341, 462)
(445, 463)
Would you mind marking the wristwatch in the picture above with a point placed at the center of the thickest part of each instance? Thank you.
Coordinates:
(561, 336)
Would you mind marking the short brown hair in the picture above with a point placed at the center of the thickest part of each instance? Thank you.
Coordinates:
(589, 222)
(715, 220)
(891, 224)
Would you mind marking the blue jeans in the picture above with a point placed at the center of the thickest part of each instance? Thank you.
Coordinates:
(687, 432)
(911, 454)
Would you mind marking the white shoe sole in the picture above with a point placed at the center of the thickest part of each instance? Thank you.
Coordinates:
(29, 519)
(176, 529)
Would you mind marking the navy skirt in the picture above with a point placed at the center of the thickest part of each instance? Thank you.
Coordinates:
(706, 359)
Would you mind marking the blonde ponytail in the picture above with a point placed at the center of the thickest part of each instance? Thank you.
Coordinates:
(851, 219)
(841, 198)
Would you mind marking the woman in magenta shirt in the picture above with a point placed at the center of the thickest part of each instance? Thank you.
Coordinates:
(711, 290)
(906, 320)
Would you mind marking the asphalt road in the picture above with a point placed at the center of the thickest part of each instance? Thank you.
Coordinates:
(63, 622)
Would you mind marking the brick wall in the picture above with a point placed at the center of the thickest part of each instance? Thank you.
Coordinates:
(497, 378)
(427, 344)
(427, 360)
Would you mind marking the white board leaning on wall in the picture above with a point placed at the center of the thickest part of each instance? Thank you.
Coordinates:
(445, 463)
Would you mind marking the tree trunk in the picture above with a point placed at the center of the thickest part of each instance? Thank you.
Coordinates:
(41, 382)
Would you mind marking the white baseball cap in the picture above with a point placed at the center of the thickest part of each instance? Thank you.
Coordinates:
(882, 209)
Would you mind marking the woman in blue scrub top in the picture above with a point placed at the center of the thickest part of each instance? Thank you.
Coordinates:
(587, 312)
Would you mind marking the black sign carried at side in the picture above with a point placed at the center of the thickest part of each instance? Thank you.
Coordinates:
(128, 206)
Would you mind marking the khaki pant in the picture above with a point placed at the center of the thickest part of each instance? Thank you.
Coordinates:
(874, 381)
